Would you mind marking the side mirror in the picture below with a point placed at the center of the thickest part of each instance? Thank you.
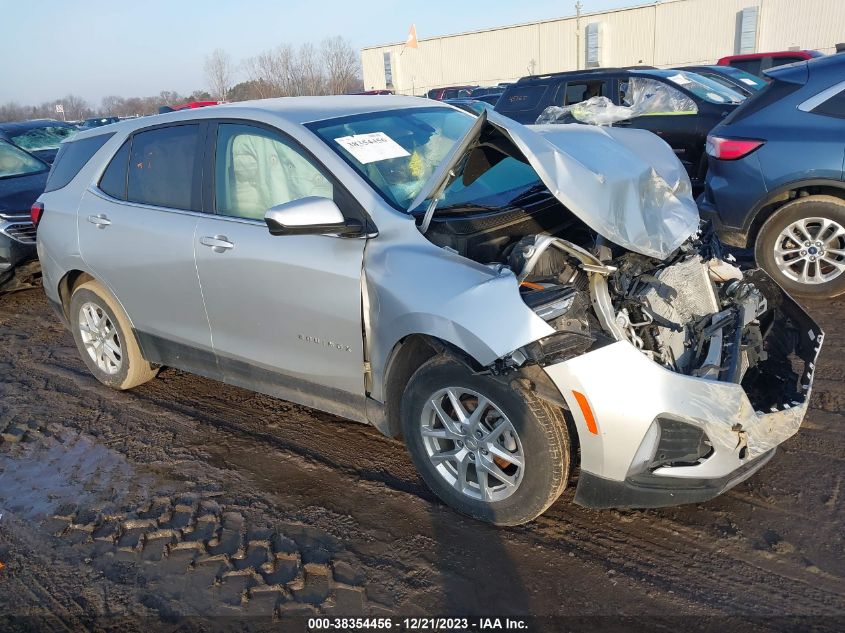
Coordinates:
(310, 216)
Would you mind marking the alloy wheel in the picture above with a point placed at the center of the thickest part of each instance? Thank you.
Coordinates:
(811, 250)
(472, 444)
(100, 338)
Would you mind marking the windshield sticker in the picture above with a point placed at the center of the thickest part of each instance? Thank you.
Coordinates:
(680, 79)
(370, 148)
(748, 81)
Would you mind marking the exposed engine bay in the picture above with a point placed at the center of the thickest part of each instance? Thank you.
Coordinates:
(694, 313)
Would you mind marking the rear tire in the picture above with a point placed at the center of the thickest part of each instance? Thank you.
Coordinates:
(105, 339)
(447, 454)
(802, 247)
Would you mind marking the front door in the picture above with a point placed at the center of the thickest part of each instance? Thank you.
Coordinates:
(136, 234)
(285, 311)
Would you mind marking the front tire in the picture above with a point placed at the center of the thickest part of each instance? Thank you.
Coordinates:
(490, 451)
(802, 247)
(105, 339)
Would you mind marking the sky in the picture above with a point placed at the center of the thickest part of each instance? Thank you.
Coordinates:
(94, 48)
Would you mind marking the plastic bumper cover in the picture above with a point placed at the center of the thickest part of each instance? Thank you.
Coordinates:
(627, 392)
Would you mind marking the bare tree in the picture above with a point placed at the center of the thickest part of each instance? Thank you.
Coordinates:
(219, 73)
(310, 72)
(340, 63)
(75, 107)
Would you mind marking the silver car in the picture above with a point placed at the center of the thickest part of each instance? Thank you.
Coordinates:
(520, 304)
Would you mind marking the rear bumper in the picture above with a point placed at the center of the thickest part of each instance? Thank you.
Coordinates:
(628, 394)
(12, 254)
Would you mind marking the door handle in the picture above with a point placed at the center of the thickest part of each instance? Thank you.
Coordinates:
(218, 243)
(101, 221)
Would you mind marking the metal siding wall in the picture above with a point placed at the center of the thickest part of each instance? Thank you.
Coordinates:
(671, 33)
(697, 31)
(812, 24)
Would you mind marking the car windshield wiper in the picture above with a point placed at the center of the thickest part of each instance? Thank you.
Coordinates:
(532, 190)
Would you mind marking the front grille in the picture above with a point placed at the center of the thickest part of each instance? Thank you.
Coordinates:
(23, 232)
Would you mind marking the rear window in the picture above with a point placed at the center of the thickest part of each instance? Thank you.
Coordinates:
(753, 66)
(522, 98)
(42, 138)
(72, 157)
(161, 166)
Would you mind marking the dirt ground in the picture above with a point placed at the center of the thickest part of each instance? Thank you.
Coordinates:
(187, 497)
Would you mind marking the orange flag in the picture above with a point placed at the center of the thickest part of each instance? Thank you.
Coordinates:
(411, 42)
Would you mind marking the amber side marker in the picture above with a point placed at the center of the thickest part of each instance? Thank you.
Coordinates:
(587, 411)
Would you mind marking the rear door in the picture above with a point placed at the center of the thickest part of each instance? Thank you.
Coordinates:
(285, 311)
(136, 234)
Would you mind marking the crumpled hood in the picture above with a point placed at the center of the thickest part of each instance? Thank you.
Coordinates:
(627, 185)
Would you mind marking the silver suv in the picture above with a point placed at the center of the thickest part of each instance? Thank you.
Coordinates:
(518, 303)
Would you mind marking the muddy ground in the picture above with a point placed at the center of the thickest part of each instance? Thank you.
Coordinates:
(187, 497)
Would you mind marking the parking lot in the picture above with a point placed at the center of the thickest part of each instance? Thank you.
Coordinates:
(187, 496)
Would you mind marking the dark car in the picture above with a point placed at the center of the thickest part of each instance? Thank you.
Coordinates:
(22, 180)
(758, 63)
(89, 124)
(450, 92)
(744, 83)
(775, 182)
(473, 106)
(187, 106)
(679, 106)
(40, 137)
(491, 98)
(482, 91)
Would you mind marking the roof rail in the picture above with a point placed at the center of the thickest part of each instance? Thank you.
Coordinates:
(586, 71)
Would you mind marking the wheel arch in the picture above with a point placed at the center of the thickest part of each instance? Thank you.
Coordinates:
(787, 193)
(406, 356)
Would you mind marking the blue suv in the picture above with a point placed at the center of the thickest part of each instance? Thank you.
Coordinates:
(775, 178)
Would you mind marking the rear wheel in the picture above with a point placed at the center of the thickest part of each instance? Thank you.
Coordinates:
(492, 452)
(105, 339)
(802, 246)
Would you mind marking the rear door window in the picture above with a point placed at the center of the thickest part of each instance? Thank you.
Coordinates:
(578, 91)
(72, 157)
(162, 167)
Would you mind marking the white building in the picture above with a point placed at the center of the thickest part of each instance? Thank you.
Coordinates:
(664, 34)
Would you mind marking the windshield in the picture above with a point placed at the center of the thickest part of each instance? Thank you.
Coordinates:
(499, 186)
(396, 151)
(41, 138)
(701, 87)
(14, 162)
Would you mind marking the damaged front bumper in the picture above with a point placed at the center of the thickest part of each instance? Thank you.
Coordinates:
(653, 437)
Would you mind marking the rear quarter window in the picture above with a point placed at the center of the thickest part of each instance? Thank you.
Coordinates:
(835, 106)
(113, 181)
(522, 98)
(72, 157)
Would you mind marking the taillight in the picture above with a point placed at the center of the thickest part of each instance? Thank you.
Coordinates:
(731, 148)
(35, 212)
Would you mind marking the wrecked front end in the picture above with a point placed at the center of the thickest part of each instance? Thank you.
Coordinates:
(682, 376)
(682, 373)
